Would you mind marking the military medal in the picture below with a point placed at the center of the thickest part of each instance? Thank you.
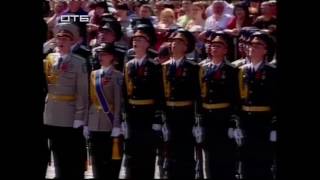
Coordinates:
(146, 72)
(106, 80)
(64, 67)
(263, 77)
(258, 75)
(223, 75)
(184, 74)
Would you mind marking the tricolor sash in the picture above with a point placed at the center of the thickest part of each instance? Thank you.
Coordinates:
(99, 90)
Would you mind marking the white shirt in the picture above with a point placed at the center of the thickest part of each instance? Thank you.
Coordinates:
(139, 61)
(221, 24)
(216, 65)
(228, 9)
(106, 69)
(256, 66)
(176, 61)
(62, 56)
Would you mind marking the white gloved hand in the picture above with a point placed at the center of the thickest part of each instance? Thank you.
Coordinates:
(238, 134)
(197, 132)
(86, 132)
(273, 136)
(156, 127)
(116, 132)
(231, 133)
(165, 133)
(124, 130)
(77, 123)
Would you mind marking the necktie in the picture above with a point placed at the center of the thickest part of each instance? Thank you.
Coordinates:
(60, 62)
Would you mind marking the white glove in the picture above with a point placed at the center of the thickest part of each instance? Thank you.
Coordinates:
(273, 136)
(231, 133)
(116, 132)
(238, 134)
(124, 130)
(165, 133)
(77, 123)
(86, 132)
(197, 132)
(156, 127)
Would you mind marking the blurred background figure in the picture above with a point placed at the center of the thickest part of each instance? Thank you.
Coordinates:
(266, 20)
(241, 18)
(198, 17)
(186, 18)
(218, 20)
(59, 7)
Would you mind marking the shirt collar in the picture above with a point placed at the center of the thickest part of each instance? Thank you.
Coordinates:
(140, 60)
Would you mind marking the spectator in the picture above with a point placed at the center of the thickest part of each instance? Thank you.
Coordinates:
(159, 6)
(167, 20)
(166, 23)
(266, 21)
(99, 9)
(59, 7)
(74, 7)
(146, 11)
(254, 8)
(198, 53)
(85, 5)
(227, 10)
(185, 19)
(197, 16)
(219, 20)
(273, 8)
(123, 18)
(241, 18)
(180, 12)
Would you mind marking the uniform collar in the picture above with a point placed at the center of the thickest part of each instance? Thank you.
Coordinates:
(256, 66)
(177, 62)
(140, 61)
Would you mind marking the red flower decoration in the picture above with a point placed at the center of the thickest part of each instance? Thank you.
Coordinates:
(64, 67)
(140, 71)
(217, 75)
(258, 75)
(179, 72)
(105, 81)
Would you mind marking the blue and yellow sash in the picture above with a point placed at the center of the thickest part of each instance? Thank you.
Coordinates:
(102, 99)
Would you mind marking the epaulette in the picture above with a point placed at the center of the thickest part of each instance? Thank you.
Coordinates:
(230, 64)
(119, 46)
(153, 61)
(152, 50)
(244, 66)
(191, 62)
(271, 65)
(120, 50)
(166, 62)
(79, 57)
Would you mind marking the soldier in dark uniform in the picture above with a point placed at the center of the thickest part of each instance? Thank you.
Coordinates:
(219, 94)
(133, 27)
(181, 88)
(245, 33)
(143, 100)
(257, 82)
(207, 43)
(110, 32)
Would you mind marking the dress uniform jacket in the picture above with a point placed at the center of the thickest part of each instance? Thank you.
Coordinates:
(112, 89)
(257, 90)
(220, 99)
(143, 100)
(67, 98)
(181, 88)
